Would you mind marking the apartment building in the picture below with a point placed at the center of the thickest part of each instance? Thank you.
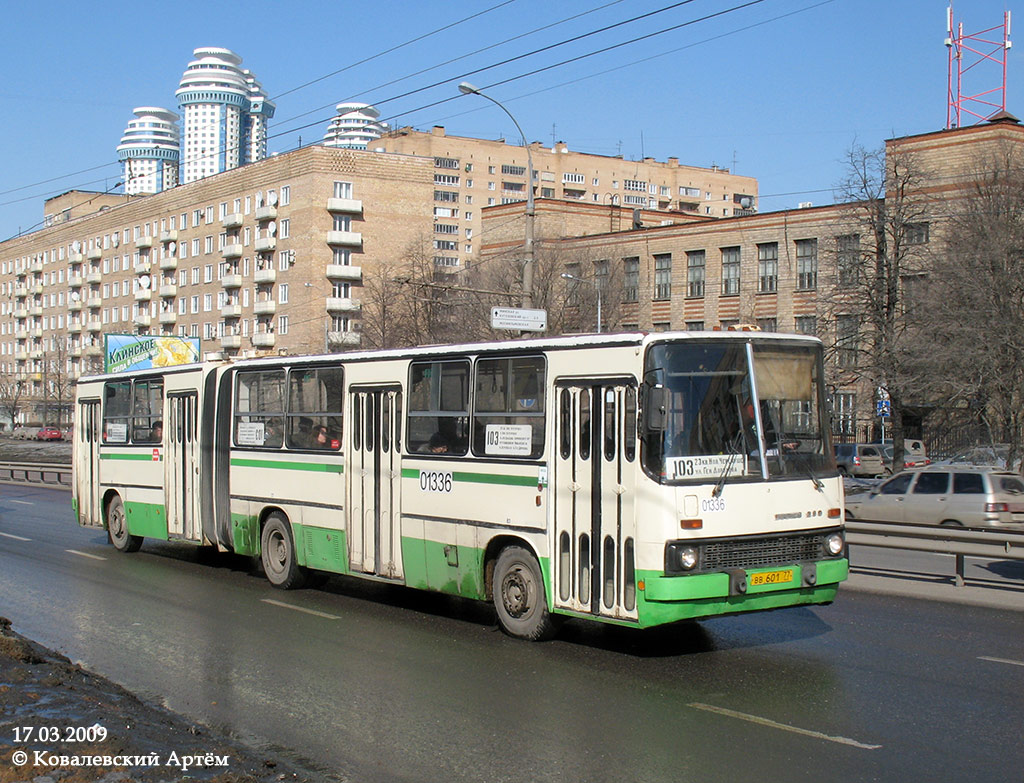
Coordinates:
(269, 256)
(471, 174)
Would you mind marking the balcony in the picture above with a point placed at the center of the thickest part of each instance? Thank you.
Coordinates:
(143, 243)
(232, 220)
(21, 292)
(231, 281)
(143, 320)
(347, 238)
(231, 342)
(36, 355)
(337, 304)
(231, 311)
(347, 339)
(143, 295)
(75, 258)
(168, 291)
(74, 327)
(263, 340)
(94, 325)
(36, 333)
(265, 276)
(143, 268)
(352, 205)
(266, 213)
(36, 267)
(75, 305)
(94, 302)
(76, 352)
(234, 250)
(168, 236)
(21, 356)
(169, 264)
(93, 350)
(94, 254)
(36, 311)
(265, 244)
(21, 334)
(21, 312)
(264, 308)
(93, 278)
(75, 281)
(168, 317)
(342, 272)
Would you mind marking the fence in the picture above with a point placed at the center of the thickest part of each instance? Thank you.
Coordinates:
(39, 473)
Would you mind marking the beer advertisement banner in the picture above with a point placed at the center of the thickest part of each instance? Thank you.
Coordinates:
(123, 352)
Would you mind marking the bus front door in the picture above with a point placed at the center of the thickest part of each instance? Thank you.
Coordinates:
(374, 469)
(181, 466)
(594, 485)
(87, 475)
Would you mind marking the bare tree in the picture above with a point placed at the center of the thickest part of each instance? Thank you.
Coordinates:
(12, 394)
(881, 251)
(58, 387)
(974, 300)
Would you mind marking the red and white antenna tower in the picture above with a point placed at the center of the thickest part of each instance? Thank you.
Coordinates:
(967, 52)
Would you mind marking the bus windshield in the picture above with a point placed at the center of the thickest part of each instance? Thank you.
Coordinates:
(730, 411)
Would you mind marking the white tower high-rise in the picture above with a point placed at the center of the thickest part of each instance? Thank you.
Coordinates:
(226, 113)
(149, 151)
(355, 127)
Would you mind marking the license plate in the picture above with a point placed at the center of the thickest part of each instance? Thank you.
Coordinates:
(771, 577)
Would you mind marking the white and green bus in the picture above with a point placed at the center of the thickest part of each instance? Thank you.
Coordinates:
(636, 479)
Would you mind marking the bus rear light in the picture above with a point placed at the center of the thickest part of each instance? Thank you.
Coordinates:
(691, 524)
(996, 508)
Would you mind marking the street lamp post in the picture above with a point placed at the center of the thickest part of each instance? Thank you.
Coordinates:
(527, 302)
(597, 287)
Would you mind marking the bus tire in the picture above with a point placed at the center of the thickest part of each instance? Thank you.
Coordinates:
(277, 552)
(117, 527)
(519, 598)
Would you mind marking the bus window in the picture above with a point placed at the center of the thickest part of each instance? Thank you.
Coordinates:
(508, 413)
(147, 411)
(315, 397)
(259, 409)
(438, 407)
(117, 411)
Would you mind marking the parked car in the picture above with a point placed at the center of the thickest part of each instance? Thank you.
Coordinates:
(995, 456)
(962, 496)
(914, 455)
(860, 459)
(50, 433)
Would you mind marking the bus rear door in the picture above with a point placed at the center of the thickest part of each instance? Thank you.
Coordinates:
(87, 467)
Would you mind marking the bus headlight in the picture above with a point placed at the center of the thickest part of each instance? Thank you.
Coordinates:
(834, 544)
(682, 557)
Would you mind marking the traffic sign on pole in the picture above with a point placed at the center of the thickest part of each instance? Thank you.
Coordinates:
(519, 319)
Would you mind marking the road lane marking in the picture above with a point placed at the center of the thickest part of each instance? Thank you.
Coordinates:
(23, 502)
(1000, 660)
(785, 727)
(84, 554)
(16, 538)
(300, 609)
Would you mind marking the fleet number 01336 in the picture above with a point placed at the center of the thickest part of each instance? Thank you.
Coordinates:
(435, 481)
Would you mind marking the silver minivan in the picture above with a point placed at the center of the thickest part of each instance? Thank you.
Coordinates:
(963, 496)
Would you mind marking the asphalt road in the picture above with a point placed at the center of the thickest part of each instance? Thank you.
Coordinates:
(384, 684)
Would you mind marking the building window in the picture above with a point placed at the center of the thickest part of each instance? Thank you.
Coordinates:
(730, 271)
(847, 340)
(806, 264)
(695, 268)
(917, 233)
(768, 324)
(282, 293)
(768, 268)
(286, 196)
(515, 171)
(807, 324)
(446, 163)
(286, 228)
(695, 326)
(848, 259)
(844, 405)
(631, 279)
(344, 190)
(282, 324)
(662, 276)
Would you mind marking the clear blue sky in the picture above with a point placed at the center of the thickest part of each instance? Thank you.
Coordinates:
(778, 90)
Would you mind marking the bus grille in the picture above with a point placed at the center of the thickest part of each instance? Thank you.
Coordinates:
(755, 553)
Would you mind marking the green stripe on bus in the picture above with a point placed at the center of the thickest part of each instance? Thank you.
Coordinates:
(480, 478)
(315, 467)
(133, 457)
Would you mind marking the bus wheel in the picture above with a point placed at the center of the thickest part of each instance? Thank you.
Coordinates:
(519, 596)
(117, 528)
(278, 554)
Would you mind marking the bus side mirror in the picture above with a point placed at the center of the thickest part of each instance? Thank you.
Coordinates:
(656, 409)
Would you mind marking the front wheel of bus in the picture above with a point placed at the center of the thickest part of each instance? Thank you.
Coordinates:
(117, 528)
(519, 596)
(277, 550)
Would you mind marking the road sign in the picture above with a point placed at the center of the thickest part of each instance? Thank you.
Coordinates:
(518, 319)
(883, 408)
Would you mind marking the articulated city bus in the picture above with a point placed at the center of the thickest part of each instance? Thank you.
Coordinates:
(636, 479)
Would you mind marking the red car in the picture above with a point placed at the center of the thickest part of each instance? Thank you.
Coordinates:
(49, 433)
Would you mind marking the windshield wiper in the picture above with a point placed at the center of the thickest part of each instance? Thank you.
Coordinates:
(734, 446)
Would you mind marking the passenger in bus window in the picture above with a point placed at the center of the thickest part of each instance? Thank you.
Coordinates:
(437, 444)
(272, 436)
(157, 433)
(321, 440)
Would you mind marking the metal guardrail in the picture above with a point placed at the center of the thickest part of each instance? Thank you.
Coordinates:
(51, 474)
(961, 542)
